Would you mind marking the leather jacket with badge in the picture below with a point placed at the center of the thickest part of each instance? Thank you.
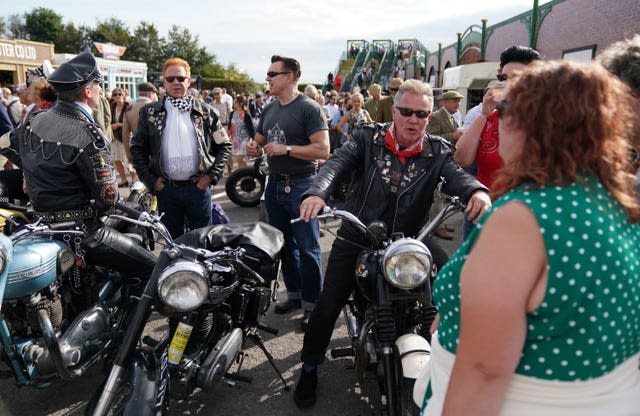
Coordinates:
(214, 144)
(378, 177)
(66, 161)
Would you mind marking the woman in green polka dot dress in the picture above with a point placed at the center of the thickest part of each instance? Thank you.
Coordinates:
(540, 307)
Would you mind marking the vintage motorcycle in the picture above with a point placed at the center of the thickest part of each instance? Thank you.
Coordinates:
(59, 315)
(214, 284)
(246, 185)
(389, 315)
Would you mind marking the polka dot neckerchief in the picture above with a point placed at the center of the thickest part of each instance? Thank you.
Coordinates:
(589, 320)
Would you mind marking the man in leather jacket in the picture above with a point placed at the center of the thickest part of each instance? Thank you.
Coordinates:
(66, 161)
(395, 169)
(179, 150)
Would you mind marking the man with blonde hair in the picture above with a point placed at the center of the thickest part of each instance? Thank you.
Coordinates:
(374, 102)
(386, 160)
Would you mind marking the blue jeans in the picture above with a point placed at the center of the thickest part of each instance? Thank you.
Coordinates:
(302, 258)
(184, 205)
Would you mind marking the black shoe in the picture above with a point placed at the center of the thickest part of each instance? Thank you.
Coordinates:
(287, 306)
(305, 320)
(305, 394)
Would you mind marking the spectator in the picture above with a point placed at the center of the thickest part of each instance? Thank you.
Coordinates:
(385, 113)
(554, 329)
(147, 93)
(118, 153)
(241, 130)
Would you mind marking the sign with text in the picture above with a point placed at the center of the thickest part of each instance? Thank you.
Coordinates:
(109, 50)
(25, 52)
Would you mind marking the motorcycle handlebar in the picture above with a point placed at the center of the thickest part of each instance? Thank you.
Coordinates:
(130, 212)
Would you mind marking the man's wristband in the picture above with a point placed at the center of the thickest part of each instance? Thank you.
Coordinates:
(288, 150)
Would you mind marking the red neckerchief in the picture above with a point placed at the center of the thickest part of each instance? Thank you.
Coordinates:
(392, 145)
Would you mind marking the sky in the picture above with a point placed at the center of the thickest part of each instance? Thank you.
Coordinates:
(248, 32)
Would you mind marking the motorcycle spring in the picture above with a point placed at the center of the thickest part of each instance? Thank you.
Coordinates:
(385, 324)
(428, 314)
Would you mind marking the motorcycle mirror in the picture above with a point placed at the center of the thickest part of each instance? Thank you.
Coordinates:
(378, 229)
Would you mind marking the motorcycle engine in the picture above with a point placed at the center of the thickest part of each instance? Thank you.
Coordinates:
(22, 314)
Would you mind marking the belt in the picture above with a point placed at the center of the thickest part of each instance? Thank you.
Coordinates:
(69, 215)
(178, 183)
(290, 176)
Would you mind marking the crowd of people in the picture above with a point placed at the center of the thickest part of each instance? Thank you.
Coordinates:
(539, 309)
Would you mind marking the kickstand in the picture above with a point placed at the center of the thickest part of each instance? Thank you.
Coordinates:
(258, 341)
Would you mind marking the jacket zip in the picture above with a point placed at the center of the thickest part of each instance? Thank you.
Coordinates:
(395, 213)
(366, 195)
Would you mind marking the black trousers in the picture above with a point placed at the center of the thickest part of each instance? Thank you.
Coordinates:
(339, 282)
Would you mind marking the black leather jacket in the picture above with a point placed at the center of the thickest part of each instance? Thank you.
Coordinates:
(364, 156)
(214, 144)
(66, 161)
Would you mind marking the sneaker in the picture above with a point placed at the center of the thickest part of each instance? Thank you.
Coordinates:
(305, 321)
(287, 306)
(305, 394)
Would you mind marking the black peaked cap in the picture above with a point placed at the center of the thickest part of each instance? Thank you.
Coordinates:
(75, 73)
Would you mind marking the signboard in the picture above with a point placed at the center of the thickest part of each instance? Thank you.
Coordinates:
(25, 52)
(109, 50)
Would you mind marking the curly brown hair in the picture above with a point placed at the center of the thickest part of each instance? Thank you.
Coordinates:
(577, 120)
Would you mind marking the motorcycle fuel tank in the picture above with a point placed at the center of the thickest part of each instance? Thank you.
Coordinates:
(33, 266)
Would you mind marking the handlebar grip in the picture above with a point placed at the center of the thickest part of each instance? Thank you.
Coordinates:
(130, 212)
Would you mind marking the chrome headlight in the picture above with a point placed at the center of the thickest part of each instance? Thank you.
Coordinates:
(183, 286)
(407, 263)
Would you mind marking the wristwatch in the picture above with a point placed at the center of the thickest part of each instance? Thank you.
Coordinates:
(288, 150)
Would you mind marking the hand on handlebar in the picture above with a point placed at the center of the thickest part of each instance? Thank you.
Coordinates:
(478, 204)
(310, 207)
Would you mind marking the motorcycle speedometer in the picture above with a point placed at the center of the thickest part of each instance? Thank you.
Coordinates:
(407, 263)
(183, 286)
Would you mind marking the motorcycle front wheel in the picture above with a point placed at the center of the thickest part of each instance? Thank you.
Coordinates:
(245, 186)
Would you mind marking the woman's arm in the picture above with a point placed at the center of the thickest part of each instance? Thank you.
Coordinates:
(503, 278)
(341, 123)
(368, 116)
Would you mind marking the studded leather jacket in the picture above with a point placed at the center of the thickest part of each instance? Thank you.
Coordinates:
(382, 188)
(66, 161)
(213, 141)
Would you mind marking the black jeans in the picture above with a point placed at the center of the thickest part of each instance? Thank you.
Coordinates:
(339, 282)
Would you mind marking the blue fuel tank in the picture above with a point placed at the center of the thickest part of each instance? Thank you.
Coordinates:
(33, 266)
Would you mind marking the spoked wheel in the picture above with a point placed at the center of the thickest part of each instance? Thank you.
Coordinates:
(245, 186)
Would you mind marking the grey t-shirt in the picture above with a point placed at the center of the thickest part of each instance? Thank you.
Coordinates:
(291, 124)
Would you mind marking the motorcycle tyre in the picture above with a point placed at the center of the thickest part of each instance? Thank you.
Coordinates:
(146, 361)
(234, 181)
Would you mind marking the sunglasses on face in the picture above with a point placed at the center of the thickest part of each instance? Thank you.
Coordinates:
(502, 77)
(272, 74)
(171, 79)
(407, 112)
(117, 94)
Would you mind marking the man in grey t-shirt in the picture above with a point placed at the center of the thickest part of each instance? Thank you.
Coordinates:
(294, 134)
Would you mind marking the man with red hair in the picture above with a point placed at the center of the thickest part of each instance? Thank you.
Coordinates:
(179, 150)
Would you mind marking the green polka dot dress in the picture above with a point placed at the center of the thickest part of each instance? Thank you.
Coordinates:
(589, 320)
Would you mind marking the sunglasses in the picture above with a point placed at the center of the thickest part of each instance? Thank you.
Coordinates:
(117, 94)
(501, 107)
(393, 89)
(502, 77)
(171, 79)
(407, 112)
(272, 74)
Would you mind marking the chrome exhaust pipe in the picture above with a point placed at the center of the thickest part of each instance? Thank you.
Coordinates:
(55, 353)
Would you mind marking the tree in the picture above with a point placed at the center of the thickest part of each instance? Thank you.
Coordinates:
(73, 39)
(112, 30)
(146, 45)
(181, 43)
(16, 28)
(3, 26)
(43, 25)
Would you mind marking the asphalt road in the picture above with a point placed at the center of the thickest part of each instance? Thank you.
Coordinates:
(338, 391)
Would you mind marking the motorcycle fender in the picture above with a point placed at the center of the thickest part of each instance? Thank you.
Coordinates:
(414, 352)
(149, 380)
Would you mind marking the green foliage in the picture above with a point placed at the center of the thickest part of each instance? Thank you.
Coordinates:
(237, 85)
(43, 25)
(144, 45)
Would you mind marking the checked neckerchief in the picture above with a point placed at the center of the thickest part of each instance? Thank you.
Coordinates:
(182, 104)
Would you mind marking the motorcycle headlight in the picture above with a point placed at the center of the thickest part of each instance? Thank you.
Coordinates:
(183, 286)
(407, 263)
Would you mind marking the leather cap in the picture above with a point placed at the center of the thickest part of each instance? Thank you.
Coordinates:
(75, 73)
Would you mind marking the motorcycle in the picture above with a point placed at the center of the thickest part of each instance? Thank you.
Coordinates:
(59, 315)
(388, 317)
(214, 285)
(245, 185)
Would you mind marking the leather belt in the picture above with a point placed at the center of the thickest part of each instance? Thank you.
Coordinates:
(69, 215)
(178, 183)
(291, 176)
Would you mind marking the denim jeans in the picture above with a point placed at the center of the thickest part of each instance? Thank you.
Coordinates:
(184, 205)
(302, 259)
